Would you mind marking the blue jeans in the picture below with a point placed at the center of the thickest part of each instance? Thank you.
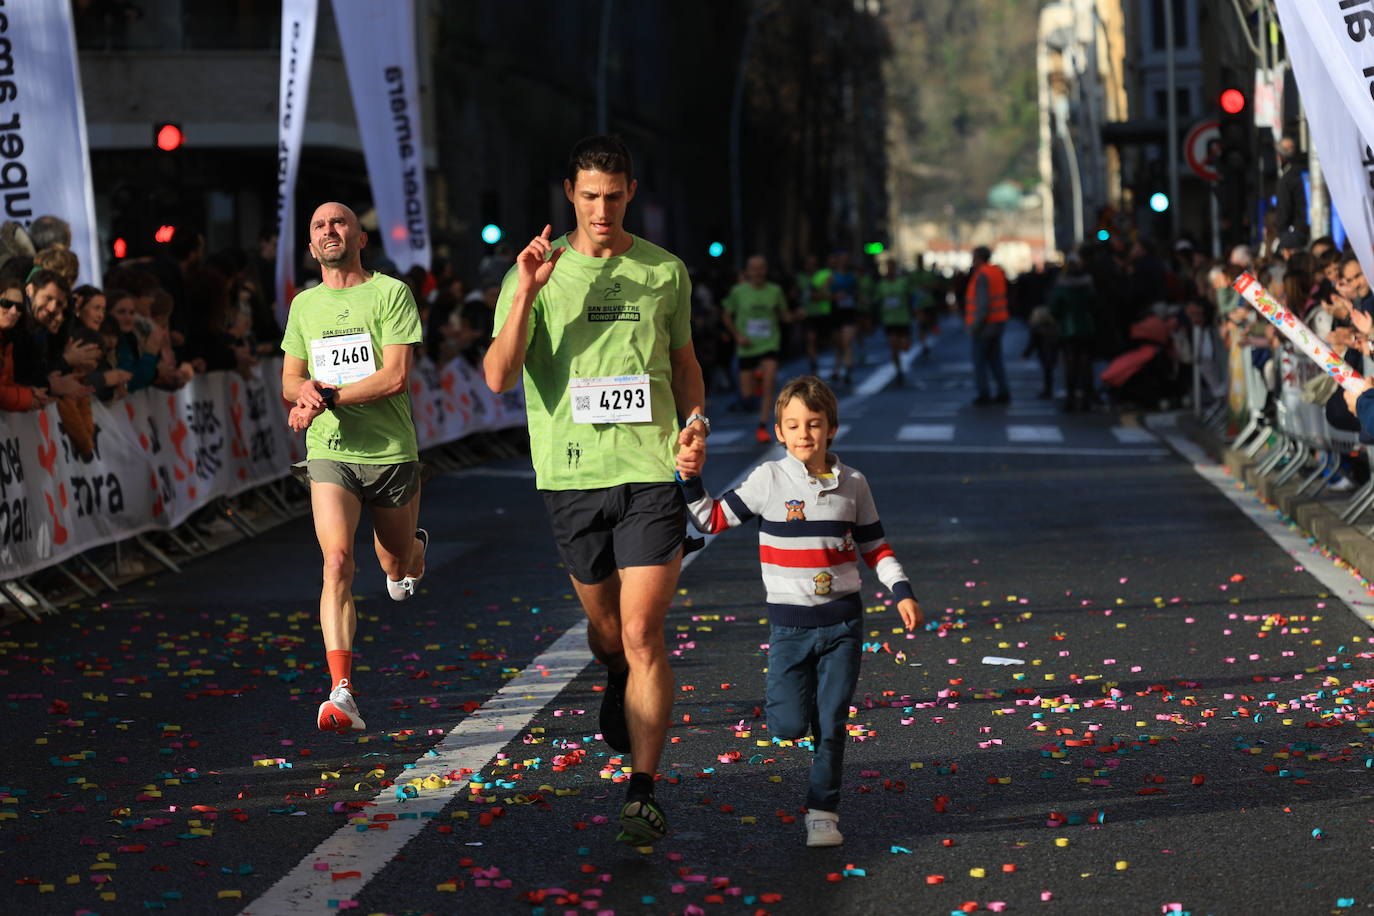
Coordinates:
(812, 672)
(987, 355)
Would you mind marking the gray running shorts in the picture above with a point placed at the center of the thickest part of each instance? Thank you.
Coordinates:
(386, 486)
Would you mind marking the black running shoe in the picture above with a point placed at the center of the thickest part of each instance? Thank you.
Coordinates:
(642, 822)
(614, 730)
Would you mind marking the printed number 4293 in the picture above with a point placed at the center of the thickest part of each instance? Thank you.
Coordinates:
(621, 398)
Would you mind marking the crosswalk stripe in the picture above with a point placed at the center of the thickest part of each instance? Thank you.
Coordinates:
(926, 432)
(1132, 435)
(1019, 433)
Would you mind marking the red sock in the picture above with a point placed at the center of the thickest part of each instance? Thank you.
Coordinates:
(340, 666)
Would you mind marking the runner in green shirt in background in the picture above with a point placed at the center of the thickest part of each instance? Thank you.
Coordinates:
(753, 312)
(894, 309)
(819, 321)
(926, 300)
(599, 321)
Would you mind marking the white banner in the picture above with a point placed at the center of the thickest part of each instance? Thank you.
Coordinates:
(378, 38)
(1332, 51)
(161, 455)
(44, 157)
(297, 56)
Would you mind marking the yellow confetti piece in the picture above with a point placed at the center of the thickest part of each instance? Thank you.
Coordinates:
(749, 820)
(977, 872)
(448, 886)
(1061, 841)
(109, 896)
(230, 895)
(73, 879)
(1121, 865)
(46, 888)
(328, 775)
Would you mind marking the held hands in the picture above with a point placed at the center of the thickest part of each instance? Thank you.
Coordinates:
(1362, 320)
(911, 613)
(534, 265)
(691, 451)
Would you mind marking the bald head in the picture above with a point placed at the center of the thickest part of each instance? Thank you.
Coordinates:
(336, 238)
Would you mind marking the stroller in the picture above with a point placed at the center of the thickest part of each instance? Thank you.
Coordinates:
(1150, 374)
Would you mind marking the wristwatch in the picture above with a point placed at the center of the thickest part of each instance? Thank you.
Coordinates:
(705, 421)
(328, 395)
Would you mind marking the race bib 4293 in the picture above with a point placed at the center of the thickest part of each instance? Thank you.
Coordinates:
(611, 399)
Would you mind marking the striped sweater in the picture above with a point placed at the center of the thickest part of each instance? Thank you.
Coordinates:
(812, 532)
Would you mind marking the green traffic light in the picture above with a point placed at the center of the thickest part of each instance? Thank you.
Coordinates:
(874, 248)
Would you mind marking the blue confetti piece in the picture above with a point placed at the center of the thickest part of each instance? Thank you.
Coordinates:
(900, 849)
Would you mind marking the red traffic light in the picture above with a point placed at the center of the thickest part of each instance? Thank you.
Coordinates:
(120, 248)
(164, 234)
(169, 137)
(1233, 101)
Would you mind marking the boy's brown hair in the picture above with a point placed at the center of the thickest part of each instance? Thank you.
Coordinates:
(815, 394)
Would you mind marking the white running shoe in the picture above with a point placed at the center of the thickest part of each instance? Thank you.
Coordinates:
(339, 713)
(823, 828)
(400, 590)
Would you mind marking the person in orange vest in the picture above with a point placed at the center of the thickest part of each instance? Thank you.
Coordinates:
(985, 317)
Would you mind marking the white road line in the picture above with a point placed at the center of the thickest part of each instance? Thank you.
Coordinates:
(840, 431)
(726, 436)
(926, 432)
(472, 744)
(1340, 582)
(1027, 449)
(1020, 433)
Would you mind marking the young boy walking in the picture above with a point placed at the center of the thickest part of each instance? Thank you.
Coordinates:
(817, 519)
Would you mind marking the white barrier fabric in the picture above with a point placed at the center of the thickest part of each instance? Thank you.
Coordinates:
(44, 161)
(378, 38)
(298, 19)
(161, 455)
(1331, 45)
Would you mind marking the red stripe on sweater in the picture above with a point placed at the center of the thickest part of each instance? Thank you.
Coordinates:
(718, 520)
(877, 553)
(805, 559)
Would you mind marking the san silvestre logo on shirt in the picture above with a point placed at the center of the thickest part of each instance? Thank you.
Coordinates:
(612, 311)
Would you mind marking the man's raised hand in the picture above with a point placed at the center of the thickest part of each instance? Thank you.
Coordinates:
(534, 265)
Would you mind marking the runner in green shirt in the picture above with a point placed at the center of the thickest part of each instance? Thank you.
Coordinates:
(599, 321)
(819, 321)
(349, 345)
(894, 308)
(925, 299)
(753, 312)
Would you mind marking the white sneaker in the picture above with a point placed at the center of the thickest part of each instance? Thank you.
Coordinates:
(823, 828)
(400, 590)
(339, 713)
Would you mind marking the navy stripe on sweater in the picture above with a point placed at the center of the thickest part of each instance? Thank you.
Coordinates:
(737, 506)
(805, 528)
(863, 534)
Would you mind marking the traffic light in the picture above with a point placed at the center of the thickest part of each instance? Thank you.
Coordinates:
(165, 233)
(874, 248)
(1234, 162)
(489, 209)
(167, 136)
(119, 248)
(1159, 202)
(715, 249)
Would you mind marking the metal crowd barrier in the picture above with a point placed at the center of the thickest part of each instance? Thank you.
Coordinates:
(1288, 436)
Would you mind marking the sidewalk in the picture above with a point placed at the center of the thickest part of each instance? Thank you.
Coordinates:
(1317, 515)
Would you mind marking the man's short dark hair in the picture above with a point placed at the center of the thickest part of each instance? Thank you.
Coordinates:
(600, 153)
(41, 278)
(982, 253)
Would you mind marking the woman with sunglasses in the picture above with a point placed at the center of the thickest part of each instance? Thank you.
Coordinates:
(13, 396)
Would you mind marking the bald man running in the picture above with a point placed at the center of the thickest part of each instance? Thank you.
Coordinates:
(348, 346)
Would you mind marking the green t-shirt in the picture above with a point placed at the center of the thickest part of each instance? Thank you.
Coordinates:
(819, 303)
(893, 303)
(601, 318)
(757, 314)
(376, 314)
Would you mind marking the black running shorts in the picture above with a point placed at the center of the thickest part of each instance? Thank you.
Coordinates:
(632, 524)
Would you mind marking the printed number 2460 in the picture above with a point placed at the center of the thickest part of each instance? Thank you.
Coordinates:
(621, 398)
(357, 354)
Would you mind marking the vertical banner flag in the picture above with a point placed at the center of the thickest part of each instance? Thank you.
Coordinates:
(297, 55)
(378, 38)
(44, 156)
(1331, 45)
